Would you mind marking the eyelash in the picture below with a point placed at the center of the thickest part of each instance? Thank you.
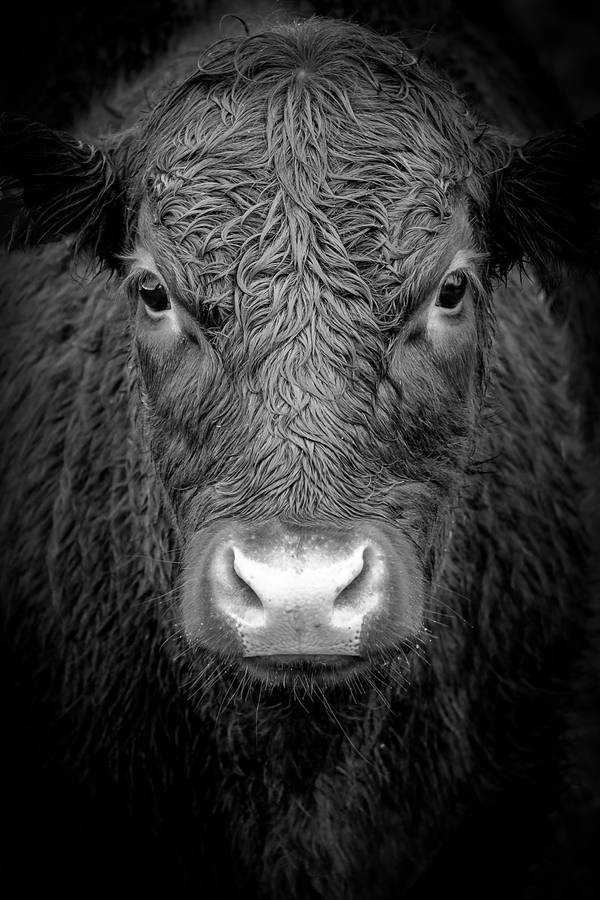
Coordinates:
(154, 297)
(146, 287)
(452, 292)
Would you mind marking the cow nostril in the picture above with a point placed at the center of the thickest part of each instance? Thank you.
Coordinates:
(353, 589)
(248, 597)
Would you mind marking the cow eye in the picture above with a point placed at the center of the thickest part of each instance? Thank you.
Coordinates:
(153, 294)
(452, 292)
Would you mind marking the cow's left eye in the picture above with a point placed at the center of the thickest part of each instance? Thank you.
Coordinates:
(153, 294)
(452, 292)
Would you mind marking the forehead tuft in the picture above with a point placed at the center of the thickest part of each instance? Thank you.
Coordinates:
(313, 155)
(317, 80)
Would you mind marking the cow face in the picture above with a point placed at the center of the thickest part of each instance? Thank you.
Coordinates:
(309, 318)
(312, 221)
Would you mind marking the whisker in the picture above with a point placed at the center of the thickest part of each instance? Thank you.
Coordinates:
(336, 720)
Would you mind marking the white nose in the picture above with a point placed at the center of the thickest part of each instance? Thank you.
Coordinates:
(269, 589)
(294, 584)
(297, 603)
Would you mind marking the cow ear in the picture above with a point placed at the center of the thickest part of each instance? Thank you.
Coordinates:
(545, 203)
(55, 185)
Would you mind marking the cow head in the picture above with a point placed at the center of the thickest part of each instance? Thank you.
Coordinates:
(307, 230)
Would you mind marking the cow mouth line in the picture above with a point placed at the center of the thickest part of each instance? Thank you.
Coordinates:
(318, 667)
(294, 660)
(292, 674)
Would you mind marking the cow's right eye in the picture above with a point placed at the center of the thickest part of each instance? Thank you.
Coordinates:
(452, 292)
(154, 295)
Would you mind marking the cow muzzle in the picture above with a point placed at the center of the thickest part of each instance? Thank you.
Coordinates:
(290, 593)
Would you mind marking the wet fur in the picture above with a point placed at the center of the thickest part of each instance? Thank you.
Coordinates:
(347, 791)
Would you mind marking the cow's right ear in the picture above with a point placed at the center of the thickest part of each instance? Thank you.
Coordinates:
(56, 185)
(545, 201)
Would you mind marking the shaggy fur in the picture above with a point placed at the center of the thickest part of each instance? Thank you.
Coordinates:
(302, 194)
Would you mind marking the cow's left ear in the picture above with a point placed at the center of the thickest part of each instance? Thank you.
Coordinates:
(57, 185)
(545, 203)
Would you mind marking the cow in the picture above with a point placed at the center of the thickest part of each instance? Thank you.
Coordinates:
(295, 558)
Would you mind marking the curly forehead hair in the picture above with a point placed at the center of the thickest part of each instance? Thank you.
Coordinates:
(317, 157)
